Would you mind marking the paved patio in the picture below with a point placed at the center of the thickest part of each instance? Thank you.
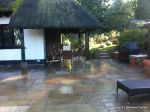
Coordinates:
(72, 88)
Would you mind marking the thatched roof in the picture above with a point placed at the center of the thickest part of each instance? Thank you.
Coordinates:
(5, 5)
(54, 14)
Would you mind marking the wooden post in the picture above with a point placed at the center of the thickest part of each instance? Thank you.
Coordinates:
(87, 50)
(22, 46)
(80, 37)
(24, 63)
(148, 44)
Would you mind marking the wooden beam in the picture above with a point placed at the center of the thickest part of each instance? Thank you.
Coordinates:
(87, 50)
(148, 44)
(80, 38)
(22, 46)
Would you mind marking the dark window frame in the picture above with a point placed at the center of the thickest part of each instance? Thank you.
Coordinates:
(2, 46)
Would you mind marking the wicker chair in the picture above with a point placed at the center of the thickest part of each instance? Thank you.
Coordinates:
(78, 54)
(54, 54)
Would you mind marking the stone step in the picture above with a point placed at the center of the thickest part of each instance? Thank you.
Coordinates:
(104, 55)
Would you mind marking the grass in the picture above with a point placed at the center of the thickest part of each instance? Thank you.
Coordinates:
(108, 48)
(94, 52)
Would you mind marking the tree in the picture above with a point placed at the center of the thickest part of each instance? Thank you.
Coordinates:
(16, 4)
(143, 9)
(96, 7)
(114, 15)
(118, 17)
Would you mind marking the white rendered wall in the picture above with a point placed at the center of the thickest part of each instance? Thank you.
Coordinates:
(34, 43)
(4, 20)
(10, 54)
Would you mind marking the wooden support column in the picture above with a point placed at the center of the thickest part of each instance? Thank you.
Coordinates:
(22, 46)
(80, 38)
(148, 44)
(87, 50)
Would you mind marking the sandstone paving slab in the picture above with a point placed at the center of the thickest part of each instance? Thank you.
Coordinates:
(67, 99)
(70, 108)
(14, 109)
(88, 88)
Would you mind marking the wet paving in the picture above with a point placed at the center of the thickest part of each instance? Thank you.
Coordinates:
(76, 87)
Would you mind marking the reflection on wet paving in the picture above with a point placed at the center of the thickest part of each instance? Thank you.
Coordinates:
(75, 87)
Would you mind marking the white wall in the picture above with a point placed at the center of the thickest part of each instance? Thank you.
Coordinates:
(34, 43)
(4, 20)
(10, 54)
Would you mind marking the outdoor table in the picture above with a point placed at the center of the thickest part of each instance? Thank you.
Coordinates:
(134, 87)
(137, 59)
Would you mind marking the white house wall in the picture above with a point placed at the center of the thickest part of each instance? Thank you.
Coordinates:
(10, 54)
(34, 44)
(4, 20)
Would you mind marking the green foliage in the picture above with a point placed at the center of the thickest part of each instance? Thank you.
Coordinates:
(104, 40)
(16, 4)
(119, 15)
(134, 35)
(109, 48)
(143, 9)
(72, 39)
(96, 7)
(94, 53)
(114, 16)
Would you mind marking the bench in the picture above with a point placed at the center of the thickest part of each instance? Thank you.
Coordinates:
(134, 87)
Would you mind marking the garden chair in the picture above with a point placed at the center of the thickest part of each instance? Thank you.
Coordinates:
(54, 54)
(78, 54)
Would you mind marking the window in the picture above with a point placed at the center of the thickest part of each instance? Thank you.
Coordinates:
(17, 35)
(9, 38)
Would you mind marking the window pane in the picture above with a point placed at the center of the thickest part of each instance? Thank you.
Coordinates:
(8, 37)
(17, 35)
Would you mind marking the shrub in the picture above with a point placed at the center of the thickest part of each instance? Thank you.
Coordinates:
(134, 35)
(71, 39)
(108, 43)
(102, 45)
(94, 53)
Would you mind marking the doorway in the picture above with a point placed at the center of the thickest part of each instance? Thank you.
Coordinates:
(53, 45)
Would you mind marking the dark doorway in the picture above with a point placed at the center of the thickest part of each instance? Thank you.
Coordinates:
(53, 42)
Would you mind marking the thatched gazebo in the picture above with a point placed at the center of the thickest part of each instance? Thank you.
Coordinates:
(55, 16)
